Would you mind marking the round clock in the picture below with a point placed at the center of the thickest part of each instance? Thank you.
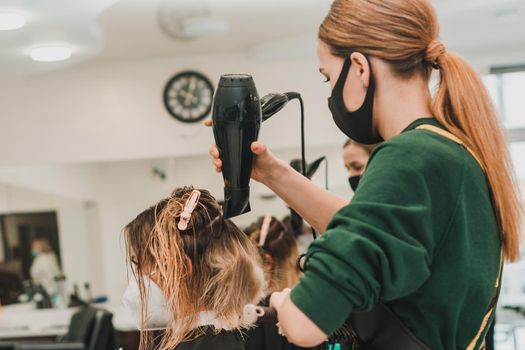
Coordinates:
(188, 96)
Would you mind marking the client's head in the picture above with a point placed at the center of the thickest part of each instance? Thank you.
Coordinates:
(200, 261)
(278, 248)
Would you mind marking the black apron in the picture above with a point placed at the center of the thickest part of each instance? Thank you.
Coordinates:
(210, 340)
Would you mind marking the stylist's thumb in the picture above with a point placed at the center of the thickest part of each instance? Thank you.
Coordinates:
(264, 162)
(259, 148)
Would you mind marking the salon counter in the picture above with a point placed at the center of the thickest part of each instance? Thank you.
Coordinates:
(23, 321)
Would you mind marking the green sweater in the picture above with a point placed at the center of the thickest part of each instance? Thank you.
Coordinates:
(420, 235)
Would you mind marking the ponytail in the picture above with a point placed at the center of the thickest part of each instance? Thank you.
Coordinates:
(462, 104)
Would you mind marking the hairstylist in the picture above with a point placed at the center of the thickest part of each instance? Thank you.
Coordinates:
(355, 157)
(436, 206)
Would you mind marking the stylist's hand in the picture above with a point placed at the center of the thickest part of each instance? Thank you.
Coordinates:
(265, 163)
(278, 298)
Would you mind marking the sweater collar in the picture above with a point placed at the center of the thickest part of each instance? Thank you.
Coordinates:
(422, 121)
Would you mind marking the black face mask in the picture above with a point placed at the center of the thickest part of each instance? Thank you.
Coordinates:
(356, 125)
(354, 182)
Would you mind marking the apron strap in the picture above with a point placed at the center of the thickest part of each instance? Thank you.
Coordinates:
(451, 137)
(497, 286)
(492, 308)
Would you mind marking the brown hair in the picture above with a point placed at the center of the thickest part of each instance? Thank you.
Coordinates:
(368, 148)
(279, 253)
(405, 34)
(210, 266)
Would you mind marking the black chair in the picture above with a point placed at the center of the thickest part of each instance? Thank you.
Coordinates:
(7, 346)
(10, 287)
(92, 327)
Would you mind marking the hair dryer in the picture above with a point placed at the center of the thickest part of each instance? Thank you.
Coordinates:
(237, 116)
(236, 122)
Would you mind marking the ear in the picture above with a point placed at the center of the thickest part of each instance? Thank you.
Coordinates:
(361, 68)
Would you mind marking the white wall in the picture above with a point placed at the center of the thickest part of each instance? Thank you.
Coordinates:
(114, 111)
(68, 180)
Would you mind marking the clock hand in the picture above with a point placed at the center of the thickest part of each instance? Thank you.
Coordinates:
(191, 92)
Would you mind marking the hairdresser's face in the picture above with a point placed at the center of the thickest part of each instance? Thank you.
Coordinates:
(330, 67)
(355, 158)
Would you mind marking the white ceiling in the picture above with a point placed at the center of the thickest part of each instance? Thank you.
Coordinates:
(101, 30)
(288, 27)
(252, 23)
(51, 22)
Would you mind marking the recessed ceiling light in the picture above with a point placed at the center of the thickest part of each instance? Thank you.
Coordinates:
(51, 53)
(11, 21)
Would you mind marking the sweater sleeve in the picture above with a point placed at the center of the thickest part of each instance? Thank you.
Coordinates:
(379, 247)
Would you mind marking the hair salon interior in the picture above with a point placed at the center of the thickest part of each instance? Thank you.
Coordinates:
(102, 110)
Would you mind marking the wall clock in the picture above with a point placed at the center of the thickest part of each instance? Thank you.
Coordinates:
(188, 96)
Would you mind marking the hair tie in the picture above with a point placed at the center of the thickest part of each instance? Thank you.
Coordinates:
(434, 52)
(189, 207)
(265, 227)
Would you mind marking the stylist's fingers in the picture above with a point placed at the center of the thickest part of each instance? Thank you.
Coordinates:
(218, 165)
(214, 153)
(208, 123)
(258, 148)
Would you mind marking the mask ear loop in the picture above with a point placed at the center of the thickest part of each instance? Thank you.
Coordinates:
(265, 227)
(189, 207)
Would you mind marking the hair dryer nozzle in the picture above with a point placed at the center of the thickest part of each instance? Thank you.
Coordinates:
(272, 103)
(236, 202)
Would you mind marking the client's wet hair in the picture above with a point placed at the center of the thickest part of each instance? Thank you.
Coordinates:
(209, 266)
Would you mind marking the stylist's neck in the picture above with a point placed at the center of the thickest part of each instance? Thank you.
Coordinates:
(399, 102)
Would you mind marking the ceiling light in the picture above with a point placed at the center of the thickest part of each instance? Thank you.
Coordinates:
(11, 21)
(51, 53)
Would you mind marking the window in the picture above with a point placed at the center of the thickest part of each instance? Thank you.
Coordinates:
(517, 150)
(506, 86)
(513, 86)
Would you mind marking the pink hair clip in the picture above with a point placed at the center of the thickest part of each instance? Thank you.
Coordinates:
(265, 227)
(189, 207)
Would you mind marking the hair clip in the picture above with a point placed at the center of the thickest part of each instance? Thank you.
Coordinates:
(265, 227)
(189, 207)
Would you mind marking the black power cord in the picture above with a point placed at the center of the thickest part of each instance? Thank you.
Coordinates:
(272, 104)
(303, 150)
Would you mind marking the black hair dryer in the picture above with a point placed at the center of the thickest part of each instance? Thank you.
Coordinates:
(236, 119)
